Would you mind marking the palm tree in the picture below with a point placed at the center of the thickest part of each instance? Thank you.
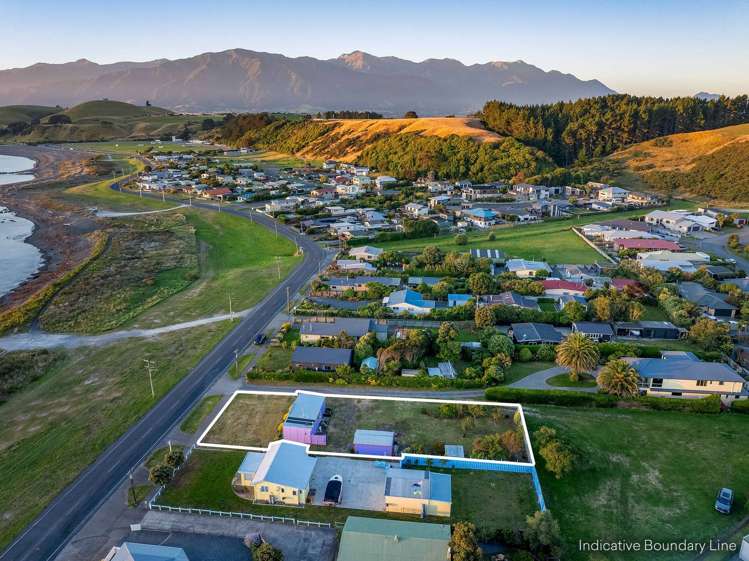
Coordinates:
(619, 378)
(578, 353)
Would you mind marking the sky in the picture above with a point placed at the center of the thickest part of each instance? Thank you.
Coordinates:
(656, 47)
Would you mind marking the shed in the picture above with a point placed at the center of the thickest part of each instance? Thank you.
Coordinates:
(454, 451)
(370, 362)
(374, 442)
(303, 421)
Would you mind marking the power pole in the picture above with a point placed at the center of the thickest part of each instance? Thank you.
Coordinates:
(276, 224)
(288, 300)
(278, 266)
(231, 312)
(150, 365)
(236, 362)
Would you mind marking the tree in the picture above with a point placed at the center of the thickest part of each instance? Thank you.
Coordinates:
(432, 256)
(578, 353)
(366, 346)
(266, 552)
(635, 311)
(500, 343)
(464, 545)
(575, 311)
(480, 283)
(545, 353)
(542, 532)
(461, 239)
(446, 333)
(174, 459)
(558, 457)
(410, 115)
(489, 447)
(618, 378)
(711, 335)
(59, 119)
(602, 308)
(345, 341)
(160, 474)
(484, 316)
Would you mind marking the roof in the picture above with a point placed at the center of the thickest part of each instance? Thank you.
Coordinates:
(639, 243)
(131, 551)
(622, 283)
(593, 327)
(646, 324)
(523, 265)
(684, 369)
(370, 362)
(442, 370)
(251, 462)
(743, 284)
(408, 296)
(381, 539)
(512, 299)
(627, 225)
(355, 281)
(356, 327)
(482, 213)
(374, 437)
(555, 284)
(701, 296)
(459, 297)
(429, 281)
(321, 355)
(454, 451)
(533, 332)
(493, 254)
(306, 407)
(366, 250)
(286, 463)
(415, 483)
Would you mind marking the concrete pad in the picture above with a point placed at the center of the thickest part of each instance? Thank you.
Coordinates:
(363, 482)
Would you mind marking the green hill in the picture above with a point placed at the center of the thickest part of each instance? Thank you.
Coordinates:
(24, 113)
(112, 110)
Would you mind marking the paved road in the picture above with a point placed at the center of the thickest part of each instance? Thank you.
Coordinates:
(717, 245)
(49, 533)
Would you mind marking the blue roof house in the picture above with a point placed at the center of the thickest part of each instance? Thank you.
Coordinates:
(420, 492)
(458, 300)
(408, 301)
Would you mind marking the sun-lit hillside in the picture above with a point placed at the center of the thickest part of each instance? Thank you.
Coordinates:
(351, 136)
(24, 113)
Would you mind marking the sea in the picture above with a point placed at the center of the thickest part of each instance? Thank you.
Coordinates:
(18, 260)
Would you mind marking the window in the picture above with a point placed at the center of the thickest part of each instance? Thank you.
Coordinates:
(676, 394)
(702, 382)
(657, 383)
(263, 488)
(294, 492)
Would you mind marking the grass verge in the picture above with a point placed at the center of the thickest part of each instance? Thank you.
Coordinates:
(200, 412)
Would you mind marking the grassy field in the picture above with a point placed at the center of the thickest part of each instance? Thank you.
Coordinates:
(551, 241)
(491, 500)
(269, 158)
(417, 425)
(563, 381)
(645, 474)
(250, 420)
(519, 370)
(63, 421)
(24, 113)
(200, 412)
(131, 147)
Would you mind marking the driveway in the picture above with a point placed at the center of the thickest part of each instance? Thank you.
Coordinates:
(710, 242)
(363, 482)
(537, 381)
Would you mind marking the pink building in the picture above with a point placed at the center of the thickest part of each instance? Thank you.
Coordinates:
(304, 421)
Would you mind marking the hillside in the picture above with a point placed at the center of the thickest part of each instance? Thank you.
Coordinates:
(96, 120)
(449, 147)
(243, 80)
(24, 113)
(711, 164)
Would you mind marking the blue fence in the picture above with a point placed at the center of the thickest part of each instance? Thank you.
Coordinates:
(468, 463)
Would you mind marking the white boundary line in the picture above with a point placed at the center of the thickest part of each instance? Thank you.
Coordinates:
(517, 406)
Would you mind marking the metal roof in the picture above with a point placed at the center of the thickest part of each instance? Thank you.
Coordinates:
(285, 463)
(535, 332)
(374, 437)
(413, 483)
(593, 327)
(684, 369)
(380, 539)
(356, 327)
(321, 355)
(131, 551)
(306, 407)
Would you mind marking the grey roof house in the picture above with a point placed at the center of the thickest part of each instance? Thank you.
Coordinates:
(320, 358)
(599, 332)
(708, 301)
(534, 333)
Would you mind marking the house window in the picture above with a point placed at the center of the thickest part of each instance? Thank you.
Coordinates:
(702, 382)
(657, 383)
(676, 394)
(294, 492)
(263, 488)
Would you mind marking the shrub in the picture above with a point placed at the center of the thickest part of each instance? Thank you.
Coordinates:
(160, 474)
(174, 459)
(525, 355)
(551, 397)
(546, 353)
(740, 406)
(461, 239)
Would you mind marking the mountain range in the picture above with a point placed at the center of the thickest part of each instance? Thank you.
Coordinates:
(243, 80)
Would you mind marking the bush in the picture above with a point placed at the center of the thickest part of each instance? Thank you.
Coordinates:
(160, 474)
(710, 404)
(525, 355)
(461, 239)
(546, 353)
(551, 397)
(740, 406)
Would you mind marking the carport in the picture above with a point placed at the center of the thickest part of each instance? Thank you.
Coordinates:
(363, 482)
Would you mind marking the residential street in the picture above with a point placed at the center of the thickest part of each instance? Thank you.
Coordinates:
(716, 244)
(49, 533)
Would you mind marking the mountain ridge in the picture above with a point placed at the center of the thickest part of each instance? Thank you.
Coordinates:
(245, 80)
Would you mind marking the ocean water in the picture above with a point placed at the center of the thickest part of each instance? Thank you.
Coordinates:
(18, 260)
(10, 166)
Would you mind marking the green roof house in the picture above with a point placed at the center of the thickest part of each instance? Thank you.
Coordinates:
(378, 539)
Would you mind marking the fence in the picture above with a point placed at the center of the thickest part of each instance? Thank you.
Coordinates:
(594, 246)
(468, 463)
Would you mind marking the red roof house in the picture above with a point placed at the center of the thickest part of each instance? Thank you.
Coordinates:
(555, 287)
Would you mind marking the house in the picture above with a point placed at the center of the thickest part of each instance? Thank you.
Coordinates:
(303, 423)
(355, 265)
(476, 192)
(316, 331)
(741, 284)
(640, 199)
(416, 210)
(408, 301)
(320, 358)
(527, 269)
(329, 164)
(681, 374)
(481, 217)
(509, 299)
(428, 281)
(610, 236)
(534, 334)
(646, 244)
(718, 272)
(598, 332)
(279, 475)
(613, 194)
(458, 300)
(455, 451)
(556, 287)
(563, 299)
(366, 253)
(220, 193)
(414, 491)
(439, 200)
(664, 260)
(711, 303)
(675, 221)
(131, 551)
(530, 192)
(383, 181)
(381, 539)
(494, 255)
(648, 330)
(443, 370)
(374, 442)
(577, 273)
(359, 283)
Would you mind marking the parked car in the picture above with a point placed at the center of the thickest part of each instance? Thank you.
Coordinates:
(260, 339)
(724, 502)
(333, 491)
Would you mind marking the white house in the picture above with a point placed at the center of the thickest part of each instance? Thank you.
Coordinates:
(361, 180)
(383, 181)
(526, 269)
(408, 301)
(366, 253)
(674, 221)
(416, 210)
(664, 260)
(613, 194)
(354, 265)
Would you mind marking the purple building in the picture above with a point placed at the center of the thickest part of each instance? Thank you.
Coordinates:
(303, 422)
(374, 442)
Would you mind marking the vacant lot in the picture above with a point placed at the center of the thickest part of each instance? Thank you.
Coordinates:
(250, 420)
(645, 474)
(419, 427)
(490, 500)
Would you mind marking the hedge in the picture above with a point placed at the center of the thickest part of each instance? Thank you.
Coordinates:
(741, 406)
(710, 404)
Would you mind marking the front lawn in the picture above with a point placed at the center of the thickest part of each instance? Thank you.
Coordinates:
(644, 475)
(519, 370)
(563, 381)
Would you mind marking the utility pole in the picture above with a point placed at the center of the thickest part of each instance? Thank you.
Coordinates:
(236, 362)
(288, 300)
(132, 488)
(276, 224)
(163, 196)
(150, 365)
(278, 266)
(231, 312)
